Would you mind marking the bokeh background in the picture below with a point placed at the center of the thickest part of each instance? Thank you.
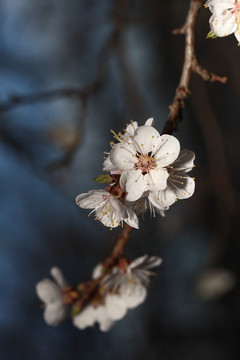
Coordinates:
(123, 55)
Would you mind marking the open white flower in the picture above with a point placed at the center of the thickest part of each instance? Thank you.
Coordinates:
(128, 133)
(109, 210)
(179, 184)
(226, 17)
(143, 161)
(127, 285)
(124, 289)
(50, 293)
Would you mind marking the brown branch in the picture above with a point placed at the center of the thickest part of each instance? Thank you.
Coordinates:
(190, 66)
(91, 287)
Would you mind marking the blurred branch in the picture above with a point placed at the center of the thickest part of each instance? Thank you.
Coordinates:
(74, 93)
(190, 66)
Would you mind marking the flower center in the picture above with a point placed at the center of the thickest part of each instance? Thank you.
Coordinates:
(146, 162)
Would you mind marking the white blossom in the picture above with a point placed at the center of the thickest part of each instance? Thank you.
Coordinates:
(126, 285)
(109, 210)
(226, 17)
(143, 160)
(179, 184)
(128, 133)
(125, 288)
(50, 293)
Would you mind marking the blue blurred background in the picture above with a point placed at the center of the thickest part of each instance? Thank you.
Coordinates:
(50, 150)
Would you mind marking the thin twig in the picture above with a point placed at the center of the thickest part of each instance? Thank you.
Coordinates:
(190, 66)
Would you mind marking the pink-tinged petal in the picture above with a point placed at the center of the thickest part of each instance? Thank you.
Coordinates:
(123, 156)
(162, 199)
(146, 139)
(223, 25)
(183, 186)
(132, 219)
(184, 162)
(92, 199)
(86, 318)
(150, 122)
(102, 317)
(58, 277)
(116, 307)
(135, 296)
(167, 151)
(135, 185)
(55, 313)
(48, 291)
(156, 179)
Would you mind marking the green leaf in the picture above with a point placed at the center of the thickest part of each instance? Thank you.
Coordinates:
(211, 35)
(103, 179)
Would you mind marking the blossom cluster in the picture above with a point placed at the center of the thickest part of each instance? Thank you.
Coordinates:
(121, 289)
(225, 19)
(147, 171)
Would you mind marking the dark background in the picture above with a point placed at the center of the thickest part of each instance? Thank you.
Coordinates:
(51, 150)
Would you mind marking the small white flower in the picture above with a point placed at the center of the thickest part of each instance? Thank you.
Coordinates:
(128, 133)
(125, 288)
(109, 210)
(179, 184)
(126, 285)
(50, 293)
(226, 17)
(143, 159)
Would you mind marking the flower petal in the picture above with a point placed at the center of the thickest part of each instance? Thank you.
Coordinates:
(131, 128)
(150, 122)
(135, 184)
(93, 199)
(86, 318)
(218, 7)
(146, 139)
(135, 296)
(108, 216)
(102, 317)
(116, 306)
(168, 150)
(156, 179)
(108, 166)
(182, 185)
(119, 207)
(223, 25)
(132, 219)
(55, 313)
(48, 291)
(58, 277)
(123, 156)
(162, 199)
(184, 162)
